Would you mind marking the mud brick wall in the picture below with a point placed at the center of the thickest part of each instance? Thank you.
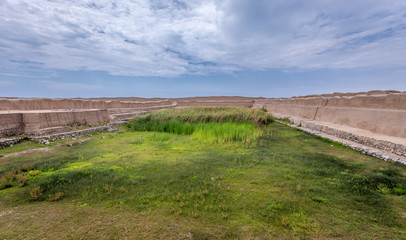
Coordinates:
(383, 113)
(62, 103)
(33, 123)
(202, 103)
(10, 124)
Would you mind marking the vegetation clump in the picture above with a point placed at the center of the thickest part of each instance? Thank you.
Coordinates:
(55, 197)
(206, 124)
(36, 193)
(202, 115)
(226, 132)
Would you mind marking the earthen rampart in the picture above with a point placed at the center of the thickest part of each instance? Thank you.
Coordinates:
(378, 112)
(45, 115)
(382, 112)
(214, 103)
(10, 124)
(25, 104)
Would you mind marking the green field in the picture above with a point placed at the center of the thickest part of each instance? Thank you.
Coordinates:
(249, 179)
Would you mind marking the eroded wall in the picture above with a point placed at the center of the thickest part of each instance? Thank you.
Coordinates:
(10, 124)
(379, 112)
(383, 113)
(208, 103)
(43, 115)
(63, 103)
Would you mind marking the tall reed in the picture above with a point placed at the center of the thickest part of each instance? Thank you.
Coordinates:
(204, 115)
(206, 124)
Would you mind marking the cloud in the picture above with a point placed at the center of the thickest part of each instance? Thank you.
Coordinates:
(68, 86)
(173, 37)
(6, 83)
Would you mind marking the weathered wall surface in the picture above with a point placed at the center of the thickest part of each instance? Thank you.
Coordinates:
(62, 103)
(38, 122)
(44, 115)
(383, 113)
(10, 124)
(208, 103)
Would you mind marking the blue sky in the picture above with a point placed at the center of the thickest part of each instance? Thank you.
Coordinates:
(174, 48)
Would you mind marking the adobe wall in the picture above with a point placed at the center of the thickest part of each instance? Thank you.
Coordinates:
(10, 124)
(208, 103)
(63, 103)
(35, 123)
(383, 113)
(43, 115)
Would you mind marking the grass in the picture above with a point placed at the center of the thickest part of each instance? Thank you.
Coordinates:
(285, 120)
(206, 124)
(160, 185)
(226, 132)
(202, 115)
(24, 145)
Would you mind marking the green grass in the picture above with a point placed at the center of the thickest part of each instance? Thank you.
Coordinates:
(206, 124)
(160, 185)
(285, 120)
(206, 132)
(201, 115)
(24, 145)
(226, 132)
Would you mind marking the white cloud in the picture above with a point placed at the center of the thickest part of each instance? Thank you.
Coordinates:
(170, 38)
(7, 83)
(68, 86)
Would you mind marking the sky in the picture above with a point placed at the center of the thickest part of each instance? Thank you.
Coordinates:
(175, 48)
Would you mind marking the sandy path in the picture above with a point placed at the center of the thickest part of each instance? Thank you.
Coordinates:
(45, 149)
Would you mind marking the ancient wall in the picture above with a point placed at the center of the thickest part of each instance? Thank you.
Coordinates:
(208, 103)
(10, 124)
(44, 115)
(383, 113)
(54, 119)
(380, 112)
(35, 123)
(63, 103)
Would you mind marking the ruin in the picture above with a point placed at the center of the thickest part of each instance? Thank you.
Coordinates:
(376, 119)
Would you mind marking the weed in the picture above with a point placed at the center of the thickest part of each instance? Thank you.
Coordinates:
(320, 200)
(399, 190)
(382, 188)
(7, 179)
(55, 197)
(272, 210)
(200, 235)
(359, 184)
(33, 173)
(286, 120)
(22, 179)
(36, 193)
(108, 189)
(200, 115)
(226, 132)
